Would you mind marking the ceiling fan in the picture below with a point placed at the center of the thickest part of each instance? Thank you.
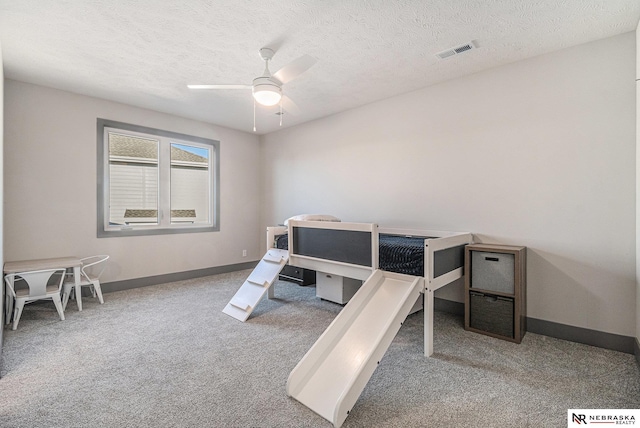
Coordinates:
(267, 89)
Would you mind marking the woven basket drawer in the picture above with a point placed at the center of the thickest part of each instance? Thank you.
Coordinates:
(492, 271)
(493, 314)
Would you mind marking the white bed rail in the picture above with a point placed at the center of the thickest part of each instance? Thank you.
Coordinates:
(272, 233)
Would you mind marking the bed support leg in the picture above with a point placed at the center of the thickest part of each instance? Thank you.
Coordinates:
(428, 322)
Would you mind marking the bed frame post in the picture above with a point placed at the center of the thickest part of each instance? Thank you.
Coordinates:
(447, 240)
(272, 232)
(428, 321)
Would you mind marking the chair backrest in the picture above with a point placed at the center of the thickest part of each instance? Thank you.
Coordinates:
(89, 268)
(36, 281)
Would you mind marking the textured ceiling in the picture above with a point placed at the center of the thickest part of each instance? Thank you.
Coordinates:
(145, 52)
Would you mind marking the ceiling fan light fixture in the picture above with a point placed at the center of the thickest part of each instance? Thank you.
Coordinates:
(266, 92)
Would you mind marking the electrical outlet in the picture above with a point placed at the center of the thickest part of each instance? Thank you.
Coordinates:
(244, 253)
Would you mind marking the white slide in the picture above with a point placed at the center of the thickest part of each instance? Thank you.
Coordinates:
(259, 281)
(333, 373)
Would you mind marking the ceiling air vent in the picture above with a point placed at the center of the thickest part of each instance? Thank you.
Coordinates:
(457, 50)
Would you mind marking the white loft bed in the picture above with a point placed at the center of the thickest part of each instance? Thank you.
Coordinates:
(351, 250)
(333, 373)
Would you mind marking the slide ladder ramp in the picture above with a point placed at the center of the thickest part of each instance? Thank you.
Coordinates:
(334, 372)
(254, 288)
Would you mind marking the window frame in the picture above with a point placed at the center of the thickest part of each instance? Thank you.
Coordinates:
(103, 229)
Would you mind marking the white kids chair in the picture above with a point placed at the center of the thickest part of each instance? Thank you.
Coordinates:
(92, 268)
(37, 289)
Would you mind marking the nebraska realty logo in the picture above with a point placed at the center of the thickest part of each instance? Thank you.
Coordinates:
(579, 417)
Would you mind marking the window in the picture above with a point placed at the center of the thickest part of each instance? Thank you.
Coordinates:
(155, 182)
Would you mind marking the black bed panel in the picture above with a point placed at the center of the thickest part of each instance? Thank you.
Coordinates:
(347, 246)
(447, 260)
(401, 254)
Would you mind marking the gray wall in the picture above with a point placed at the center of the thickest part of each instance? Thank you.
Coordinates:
(538, 153)
(50, 154)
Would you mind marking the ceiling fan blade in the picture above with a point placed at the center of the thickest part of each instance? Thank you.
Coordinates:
(294, 68)
(219, 86)
(289, 106)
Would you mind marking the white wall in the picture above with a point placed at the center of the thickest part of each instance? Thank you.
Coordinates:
(50, 158)
(1, 182)
(638, 186)
(1, 160)
(538, 153)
